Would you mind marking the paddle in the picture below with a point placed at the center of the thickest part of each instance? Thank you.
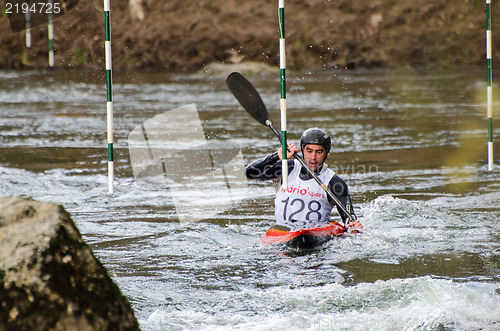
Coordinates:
(249, 98)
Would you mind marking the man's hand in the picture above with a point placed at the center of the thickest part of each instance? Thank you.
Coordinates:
(289, 153)
(354, 227)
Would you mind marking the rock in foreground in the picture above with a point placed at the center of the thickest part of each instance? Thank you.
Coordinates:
(49, 277)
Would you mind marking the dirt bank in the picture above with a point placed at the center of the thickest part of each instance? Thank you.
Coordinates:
(186, 34)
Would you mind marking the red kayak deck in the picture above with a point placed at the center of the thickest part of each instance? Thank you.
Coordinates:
(319, 235)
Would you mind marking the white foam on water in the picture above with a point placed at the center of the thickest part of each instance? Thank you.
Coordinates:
(423, 303)
(396, 228)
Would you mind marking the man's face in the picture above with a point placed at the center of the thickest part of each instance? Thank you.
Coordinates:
(314, 155)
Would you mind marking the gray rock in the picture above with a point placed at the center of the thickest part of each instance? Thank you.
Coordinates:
(49, 277)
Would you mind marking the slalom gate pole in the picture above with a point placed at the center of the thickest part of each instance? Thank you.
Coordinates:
(284, 161)
(489, 93)
(27, 18)
(109, 95)
(50, 27)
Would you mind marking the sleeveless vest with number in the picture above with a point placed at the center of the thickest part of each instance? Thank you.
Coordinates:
(304, 204)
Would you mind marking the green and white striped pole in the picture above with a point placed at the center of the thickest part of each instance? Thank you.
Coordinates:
(27, 17)
(489, 92)
(50, 28)
(109, 95)
(281, 18)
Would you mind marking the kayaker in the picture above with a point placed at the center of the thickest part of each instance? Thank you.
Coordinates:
(304, 204)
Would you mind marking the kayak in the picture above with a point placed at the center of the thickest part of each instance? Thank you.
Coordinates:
(303, 238)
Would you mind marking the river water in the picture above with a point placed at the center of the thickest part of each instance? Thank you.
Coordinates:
(411, 144)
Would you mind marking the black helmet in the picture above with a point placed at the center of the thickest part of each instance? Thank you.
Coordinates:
(316, 136)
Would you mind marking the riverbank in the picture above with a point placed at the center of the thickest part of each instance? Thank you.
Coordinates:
(182, 35)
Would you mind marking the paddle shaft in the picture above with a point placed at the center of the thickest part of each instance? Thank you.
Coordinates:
(313, 174)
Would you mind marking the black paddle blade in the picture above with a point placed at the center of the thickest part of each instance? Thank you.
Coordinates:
(248, 97)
